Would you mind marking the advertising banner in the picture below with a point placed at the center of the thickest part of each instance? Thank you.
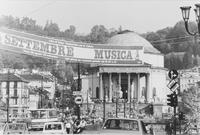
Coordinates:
(40, 46)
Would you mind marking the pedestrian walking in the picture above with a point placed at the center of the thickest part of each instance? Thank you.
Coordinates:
(168, 129)
(68, 126)
(151, 130)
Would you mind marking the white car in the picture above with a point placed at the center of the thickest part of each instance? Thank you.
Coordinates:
(54, 128)
(121, 126)
(14, 128)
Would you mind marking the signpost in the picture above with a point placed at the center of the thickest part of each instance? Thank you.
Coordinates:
(172, 98)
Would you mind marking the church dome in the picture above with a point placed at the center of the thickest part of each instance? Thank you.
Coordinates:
(132, 39)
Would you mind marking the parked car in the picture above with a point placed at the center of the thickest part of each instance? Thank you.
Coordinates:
(121, 126)
(54, 128)
(14, 128)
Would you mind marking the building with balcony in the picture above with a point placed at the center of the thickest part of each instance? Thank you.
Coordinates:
(17, 91)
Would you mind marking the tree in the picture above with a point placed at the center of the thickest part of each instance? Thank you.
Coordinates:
(190, 105)
(70, 33)
(98, 34)
(63, 72)
(188, 59)
(52, 29)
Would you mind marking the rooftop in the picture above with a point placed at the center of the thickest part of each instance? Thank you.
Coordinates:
(129, 38)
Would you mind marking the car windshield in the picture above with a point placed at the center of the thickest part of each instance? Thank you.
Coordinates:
(16, 127)
(122, 124)
(53, 127)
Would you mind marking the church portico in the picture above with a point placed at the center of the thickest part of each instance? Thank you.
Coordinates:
(124, 83)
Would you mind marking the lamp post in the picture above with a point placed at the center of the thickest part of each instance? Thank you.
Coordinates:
(8, 94)
(186, 14)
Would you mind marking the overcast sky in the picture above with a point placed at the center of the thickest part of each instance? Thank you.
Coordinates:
(137, 15)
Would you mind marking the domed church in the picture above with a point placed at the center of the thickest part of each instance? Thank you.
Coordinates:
(140, 81)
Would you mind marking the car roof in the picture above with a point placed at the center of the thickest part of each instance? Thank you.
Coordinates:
(122, 119)
(16, 123)
(53, 123)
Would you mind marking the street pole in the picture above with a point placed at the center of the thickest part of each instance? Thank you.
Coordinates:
(8, 94)
(124, 108)
(116, 106)
(79, 89)
(87, 103)
(41, 92)
(130, 108)
(63, 101)
(174, 117)
(174, 120)
(104, 104)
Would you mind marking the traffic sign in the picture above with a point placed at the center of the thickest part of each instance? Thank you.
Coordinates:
(175, 87)
(171, 84)
(78, 100)
(173, 74)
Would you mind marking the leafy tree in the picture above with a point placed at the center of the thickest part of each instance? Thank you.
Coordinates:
(63, 72)
(98, 34)
(190, 104)
(70, 33)
(52, 29)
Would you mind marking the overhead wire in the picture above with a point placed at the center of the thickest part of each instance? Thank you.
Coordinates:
(39, 8)
(171, 39)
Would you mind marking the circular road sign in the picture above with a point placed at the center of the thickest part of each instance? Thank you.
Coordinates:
(78, 100)
(173, 74)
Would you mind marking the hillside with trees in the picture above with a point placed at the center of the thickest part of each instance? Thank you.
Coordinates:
(181, 51)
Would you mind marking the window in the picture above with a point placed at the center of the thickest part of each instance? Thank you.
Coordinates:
(43, 114)
(15, 89)
(15, 101)
(35, 114)
(53, 114)
(53, 127)
(122, 124)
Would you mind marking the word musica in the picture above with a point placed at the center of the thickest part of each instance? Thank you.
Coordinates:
(113, 54)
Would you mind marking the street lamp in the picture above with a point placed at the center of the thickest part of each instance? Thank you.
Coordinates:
(186, 14)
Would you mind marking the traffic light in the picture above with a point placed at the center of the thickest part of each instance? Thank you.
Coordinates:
(172, 100)
(175, 99)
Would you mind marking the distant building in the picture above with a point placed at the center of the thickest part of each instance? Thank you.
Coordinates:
(39, 80)
(18, 93)
(38, 99)
(189, 78)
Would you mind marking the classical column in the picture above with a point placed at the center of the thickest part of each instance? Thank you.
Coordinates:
(147, 77)
(133, 87)
(119, 84)
(101, 85)
(138, 86)
(110, 87)
(129, 87)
